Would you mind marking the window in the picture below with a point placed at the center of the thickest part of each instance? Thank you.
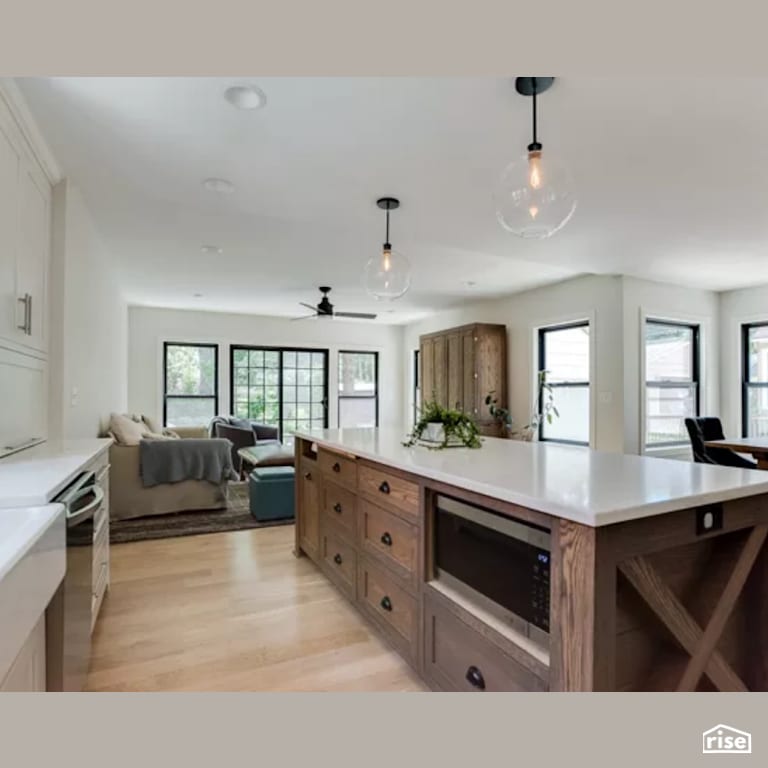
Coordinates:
(358, 389)
(190, 383)
(416, 386)
(754, 406)
(284, 388)
(564, 355)
(671, 381)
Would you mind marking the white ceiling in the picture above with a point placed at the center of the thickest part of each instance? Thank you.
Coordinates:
(671, 177)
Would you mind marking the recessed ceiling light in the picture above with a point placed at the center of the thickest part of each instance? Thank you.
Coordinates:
(219, 185)
(211, 250)
(469, 283)
(245, 97)
(197, 295)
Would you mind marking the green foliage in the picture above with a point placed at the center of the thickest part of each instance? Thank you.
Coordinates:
(455, 424)
(499, 414)
(544, 408)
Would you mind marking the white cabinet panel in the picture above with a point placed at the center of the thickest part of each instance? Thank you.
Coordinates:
(9, 184)
(28, 670)
(23, 398)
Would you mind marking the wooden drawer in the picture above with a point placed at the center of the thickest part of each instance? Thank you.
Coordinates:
(459, 658)
(390, 539)
(394, 609)
(341, 469)
(389, 489)
(340, 506)
(339, 559)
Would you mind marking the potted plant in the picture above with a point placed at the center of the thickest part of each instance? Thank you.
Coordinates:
(443, 427)
(502, 416)
(544, 409)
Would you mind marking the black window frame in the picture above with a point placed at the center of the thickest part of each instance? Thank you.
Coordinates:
(416, 384)
(259, 347)
(556, 385)
(375, 397)
(746, 384)
(696, 380)
(166, 396)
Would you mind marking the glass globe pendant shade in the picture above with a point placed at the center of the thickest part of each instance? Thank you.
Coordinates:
(388, 274)
(534, 197)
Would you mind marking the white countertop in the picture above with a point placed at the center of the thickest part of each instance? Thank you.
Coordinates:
(34, 476)
(590, 487)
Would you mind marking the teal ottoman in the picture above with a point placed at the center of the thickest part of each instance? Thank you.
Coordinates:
(270, 493)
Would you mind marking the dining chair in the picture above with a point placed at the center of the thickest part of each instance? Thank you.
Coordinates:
(705, 428)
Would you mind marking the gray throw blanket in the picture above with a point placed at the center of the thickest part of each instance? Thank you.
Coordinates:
(171, 461)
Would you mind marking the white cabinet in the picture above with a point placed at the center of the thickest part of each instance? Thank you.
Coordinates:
(28, 670)
(25, 241)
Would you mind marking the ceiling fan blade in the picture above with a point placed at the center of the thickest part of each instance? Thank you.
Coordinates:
(304, 317)
(308, 306)
(359, 315)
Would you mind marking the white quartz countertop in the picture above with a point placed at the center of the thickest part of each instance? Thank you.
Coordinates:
(34, 476)
(590, 487)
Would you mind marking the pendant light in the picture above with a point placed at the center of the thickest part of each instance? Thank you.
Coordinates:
(534, 197)
(388, 274)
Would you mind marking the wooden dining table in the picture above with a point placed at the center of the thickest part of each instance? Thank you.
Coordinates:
(757, 446)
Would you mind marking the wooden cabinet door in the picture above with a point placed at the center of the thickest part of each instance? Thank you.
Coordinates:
(9, 180)
(455, 384)
(34, 243)
(427, 363)
(491, 368)
(308, 512)
(441, 369)
(469, 374)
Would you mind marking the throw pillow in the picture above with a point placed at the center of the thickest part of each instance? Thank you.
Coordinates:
(126, 430)
(153, 425)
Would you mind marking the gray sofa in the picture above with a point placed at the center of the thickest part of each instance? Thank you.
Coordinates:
(242, 433)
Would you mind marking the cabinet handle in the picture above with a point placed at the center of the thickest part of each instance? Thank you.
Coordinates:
(386, 603)
(29, 314)
(337, 507)
(307, 475)
(336, 467)
(26, 300)
(337, 559)
(475, 678)
(384, 487)
(386, 539)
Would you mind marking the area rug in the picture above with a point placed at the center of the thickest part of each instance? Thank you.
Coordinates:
(235, 517)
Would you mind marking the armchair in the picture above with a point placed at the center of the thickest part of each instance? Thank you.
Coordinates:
(243, 433)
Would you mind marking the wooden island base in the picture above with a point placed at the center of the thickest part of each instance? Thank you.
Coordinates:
(661, 603)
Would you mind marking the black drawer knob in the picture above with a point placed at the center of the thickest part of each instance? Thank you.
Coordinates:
(475, 678)
(337, 559)
(384, 487)
(386, 603)
(337, 507)
(336, 467)
(307, 475)
(386, 539)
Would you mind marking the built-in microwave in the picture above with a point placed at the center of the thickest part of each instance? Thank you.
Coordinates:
(499, 563)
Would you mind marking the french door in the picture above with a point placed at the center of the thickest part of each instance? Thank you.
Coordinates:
(283, 387)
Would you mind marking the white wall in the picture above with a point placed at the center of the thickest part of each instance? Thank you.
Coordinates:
(594, 298)
(89, 340)
(749, 305)
(149, 328)
(646, 299)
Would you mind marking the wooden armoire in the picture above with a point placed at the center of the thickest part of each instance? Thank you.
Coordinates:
(460, 366)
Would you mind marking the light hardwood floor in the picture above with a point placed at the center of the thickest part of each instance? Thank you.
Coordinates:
(234, 612)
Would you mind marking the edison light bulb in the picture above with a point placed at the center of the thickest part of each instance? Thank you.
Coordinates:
(387, 259)
(534, 169)
(387, 274)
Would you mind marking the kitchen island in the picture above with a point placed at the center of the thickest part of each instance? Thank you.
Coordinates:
(535, 567)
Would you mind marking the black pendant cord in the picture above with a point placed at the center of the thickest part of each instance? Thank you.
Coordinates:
(386, 239)
(534, 146)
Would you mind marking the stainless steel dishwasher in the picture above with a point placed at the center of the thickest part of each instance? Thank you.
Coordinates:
(82, 498)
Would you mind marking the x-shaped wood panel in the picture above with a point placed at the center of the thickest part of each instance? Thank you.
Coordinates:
(700, 644)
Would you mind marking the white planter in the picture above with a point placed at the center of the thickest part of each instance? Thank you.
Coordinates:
(434, 432)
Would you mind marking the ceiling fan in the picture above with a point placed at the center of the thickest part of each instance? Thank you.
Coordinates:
(325, 309)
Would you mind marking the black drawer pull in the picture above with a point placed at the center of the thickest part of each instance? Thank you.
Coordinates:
(336, 467)
(337, 507)
(386, 539)
(384, 487)
(475, 678)
(337, 559)
(386, 603)
(307, 475)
